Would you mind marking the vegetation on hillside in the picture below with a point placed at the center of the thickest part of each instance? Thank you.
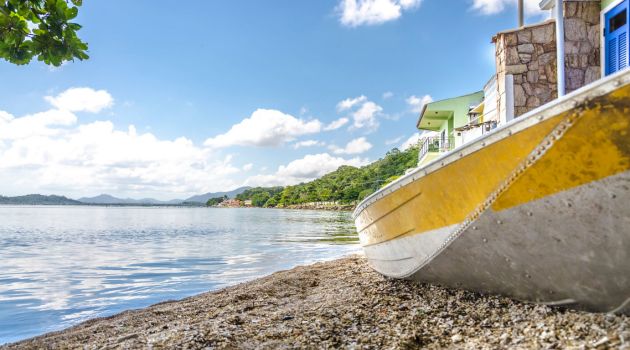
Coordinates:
(345, 185)
(42, 29)
(216, 201)
(260, 196)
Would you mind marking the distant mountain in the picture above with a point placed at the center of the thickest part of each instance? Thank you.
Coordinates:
(38, 199)
(107, 199)
(156, 201)
(203, 198)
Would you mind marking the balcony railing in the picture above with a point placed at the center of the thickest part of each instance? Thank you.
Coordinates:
(435, 144)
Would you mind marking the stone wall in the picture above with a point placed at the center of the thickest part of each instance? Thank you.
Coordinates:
(528, 54)
(583, 40)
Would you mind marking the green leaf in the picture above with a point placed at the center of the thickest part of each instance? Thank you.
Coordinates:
(53, 41)
(61, 6)
(72, 12)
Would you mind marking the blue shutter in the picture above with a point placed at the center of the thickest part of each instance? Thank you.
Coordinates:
(616, 38)
(611, 65)
(623, 50)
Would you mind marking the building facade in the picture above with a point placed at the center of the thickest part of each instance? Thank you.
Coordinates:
(440, 119)
(588, 37)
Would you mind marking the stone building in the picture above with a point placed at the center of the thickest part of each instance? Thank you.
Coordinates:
(594, 42)
(526, 58)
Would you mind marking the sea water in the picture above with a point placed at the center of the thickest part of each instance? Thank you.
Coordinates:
(60, 265)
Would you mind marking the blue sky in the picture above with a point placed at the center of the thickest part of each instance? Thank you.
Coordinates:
(179, 100)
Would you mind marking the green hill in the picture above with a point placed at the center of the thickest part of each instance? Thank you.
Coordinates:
(346, 185)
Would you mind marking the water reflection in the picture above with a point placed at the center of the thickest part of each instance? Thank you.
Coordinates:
(62, 265)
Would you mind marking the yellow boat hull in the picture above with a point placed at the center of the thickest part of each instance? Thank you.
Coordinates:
(538, 210)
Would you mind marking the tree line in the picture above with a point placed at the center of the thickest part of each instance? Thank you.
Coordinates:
(345, 185)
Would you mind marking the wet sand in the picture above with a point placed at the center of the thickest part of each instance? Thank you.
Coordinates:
(342, 304)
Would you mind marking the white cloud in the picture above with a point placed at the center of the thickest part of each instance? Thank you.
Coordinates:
(355, 13)
(417, 103)
(491, 7)
(365, 117)
(51, 152)
(350, 102)
(265, 128)
(5, 117)
(315, 165)
(248, 167)
(305, 169)
(337, 124)
(356, 146)
(387, 95)
(362, 111)
(96, 158)
(38, 124)
(411, 141)
(81, 99)
(394, 141)
(308, 143)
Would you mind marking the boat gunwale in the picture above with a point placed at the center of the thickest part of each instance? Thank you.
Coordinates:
(549, 110)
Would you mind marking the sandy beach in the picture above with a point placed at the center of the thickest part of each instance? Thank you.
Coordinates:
(341, 304)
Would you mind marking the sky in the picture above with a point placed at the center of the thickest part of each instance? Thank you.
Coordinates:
(213, 95)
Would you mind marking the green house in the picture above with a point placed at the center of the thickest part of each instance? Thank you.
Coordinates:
(441, 119)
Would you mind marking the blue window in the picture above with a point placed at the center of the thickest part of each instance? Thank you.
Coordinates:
(616, 38)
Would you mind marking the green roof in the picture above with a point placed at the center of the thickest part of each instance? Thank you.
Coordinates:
(436, 113)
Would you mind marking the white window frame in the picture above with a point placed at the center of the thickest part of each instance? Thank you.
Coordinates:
(602, 40)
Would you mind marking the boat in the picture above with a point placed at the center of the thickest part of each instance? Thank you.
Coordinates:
(526, 190)
(537, 209)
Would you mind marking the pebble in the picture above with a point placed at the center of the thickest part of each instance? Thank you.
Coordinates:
(341, 304)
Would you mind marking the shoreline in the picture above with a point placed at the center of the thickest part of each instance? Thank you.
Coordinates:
(340, 208)
(306, 206)
(341, 303)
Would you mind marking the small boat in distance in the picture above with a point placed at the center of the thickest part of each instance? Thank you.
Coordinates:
(538, 209)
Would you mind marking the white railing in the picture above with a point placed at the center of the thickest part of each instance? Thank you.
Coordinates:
(435, 144)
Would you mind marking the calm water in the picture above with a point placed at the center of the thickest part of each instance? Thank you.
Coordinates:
(62, 265)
